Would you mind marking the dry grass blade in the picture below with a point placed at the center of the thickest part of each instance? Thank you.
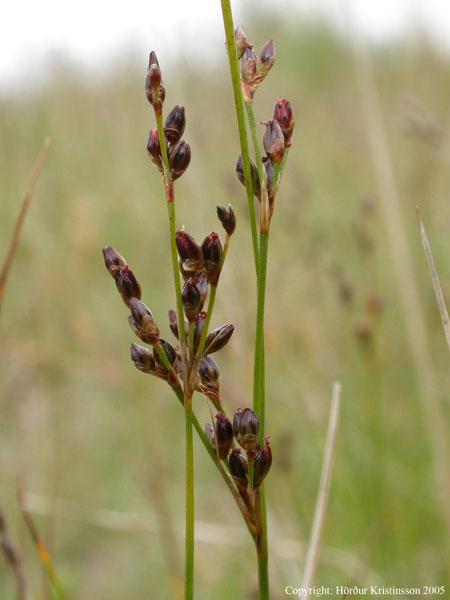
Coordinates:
(43, 553)
(324, 488)
(12, 249)
(13, 559)
(435, 279)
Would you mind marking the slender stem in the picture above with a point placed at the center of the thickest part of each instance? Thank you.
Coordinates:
(190, 508)
(261, 545)
(259, 378)
(240, 115)
(259, 367)
(322, 497)
(187, 396)
(28, 196)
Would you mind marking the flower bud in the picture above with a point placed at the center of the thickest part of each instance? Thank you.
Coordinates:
(212, 255)
(254, 173)
(127, 284)
(113, 260)
(248, 65)
(194, 296)
(218, 338)
(179, 159)
(175, 124)
(223, 434)
(154, 149)
(144, 324)
(241, 41)
(190, 253)
(262, 464)
(209, 372)
(154, 88)
(227, 218)
(238, 469)
(142, 358)
(168, 349)
(269, 168)
(284, 114)
(198, 329)
(266, 59)
(246, 428)
(273, 141)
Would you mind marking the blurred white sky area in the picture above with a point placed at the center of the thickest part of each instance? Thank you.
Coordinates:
(96, 32)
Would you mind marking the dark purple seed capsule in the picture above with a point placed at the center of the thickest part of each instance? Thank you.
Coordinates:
(187, 247)
(209, 372)
(174, 124)
(238, 468)
(179, 158)
(199, 327)
(218, 338)
(173, 323)
(148, 330)
(262, 464)
(248, 430)
(237, 422)
(223, 434)
(212, 256)
(113, 260)
(154, 149)
(254, 173)
(142, 358)
(274, 141)
(227, 218)
(192, 300)
(127, 284)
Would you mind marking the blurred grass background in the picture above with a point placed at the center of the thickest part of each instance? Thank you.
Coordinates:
(87, 431)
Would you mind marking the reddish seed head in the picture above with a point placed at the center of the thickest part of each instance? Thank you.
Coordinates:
(241, 41)
(263, 462)
(266, 58)
(187, 247)
(212, 256)
(227, 218)
(113, 260)
(127, 284)
(284, 114)
(218, 338)
(175, 124)
(179, 158)
(223, 435)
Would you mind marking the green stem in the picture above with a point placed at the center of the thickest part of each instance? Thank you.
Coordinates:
(259, 388)
(187, 394)
(261, 545)
(240, 115)
(190, 508)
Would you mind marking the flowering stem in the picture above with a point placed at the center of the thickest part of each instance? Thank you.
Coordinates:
(240, 115)
(187, 399)
(259, 375)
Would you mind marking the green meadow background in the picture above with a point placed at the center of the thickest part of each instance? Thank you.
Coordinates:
(98, 446)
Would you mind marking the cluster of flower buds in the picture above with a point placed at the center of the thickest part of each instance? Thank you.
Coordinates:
(196, 260)
(254, 66)
(277, 138)
(178, 150)
(141, 321)
(244, 430)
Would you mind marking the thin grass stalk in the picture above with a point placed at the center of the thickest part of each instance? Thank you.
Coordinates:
(187, 400)
(435, 279)
(259, 373)
(13, 558)
(324, 488)
(43, 553)
(227, 15)
(26, 202)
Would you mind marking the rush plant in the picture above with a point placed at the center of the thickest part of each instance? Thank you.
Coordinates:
(237, 445)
